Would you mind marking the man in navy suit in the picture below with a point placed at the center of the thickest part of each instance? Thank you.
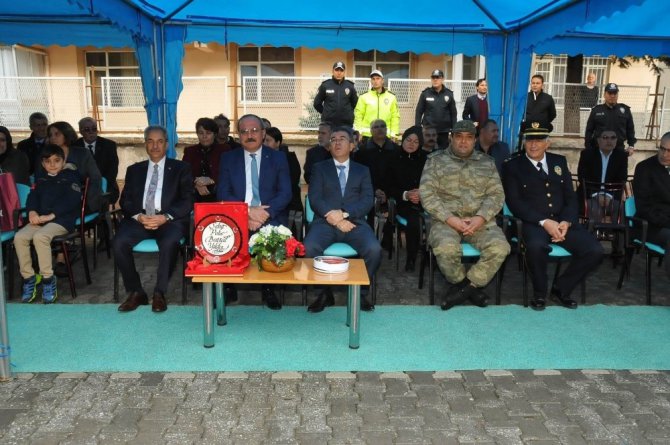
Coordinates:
(341, 195)
(274, 185)
(157, 200)
(538, 190)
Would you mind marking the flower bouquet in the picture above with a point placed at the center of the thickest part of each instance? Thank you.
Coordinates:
(275, 246)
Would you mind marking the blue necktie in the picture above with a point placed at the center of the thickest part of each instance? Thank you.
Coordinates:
(255, 196)
(150, 203)
(342, 177)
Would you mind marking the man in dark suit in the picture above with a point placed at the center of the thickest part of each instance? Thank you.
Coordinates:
(538, 190)
(476, 107)
(320, 151)
(269, 203)
(651, 185)
(157, 200)
(341, 196)
(32, 146)
(104, 153)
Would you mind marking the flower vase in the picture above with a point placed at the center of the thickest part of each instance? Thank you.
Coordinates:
(270, 266)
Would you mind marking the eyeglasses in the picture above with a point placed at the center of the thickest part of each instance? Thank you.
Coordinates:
(89, 129)
(374, 127)
(339, 141)
(608, 138)
(664, 150)
(250, 130)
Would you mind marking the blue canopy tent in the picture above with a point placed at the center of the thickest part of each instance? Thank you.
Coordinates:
(506, 32)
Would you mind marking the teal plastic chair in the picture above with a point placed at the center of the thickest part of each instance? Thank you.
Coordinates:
(7, 238)
(636, 239)
(557, 254)
(343, 250)
(399, 226)
(93, 221)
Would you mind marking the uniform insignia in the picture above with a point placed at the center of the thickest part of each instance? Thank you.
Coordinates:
(558, 170)
(386, 101)
(346, 91)
(76, 187)
(330, 91)
(623, 110)
(430, 99)
(535, 125)
(446, 98)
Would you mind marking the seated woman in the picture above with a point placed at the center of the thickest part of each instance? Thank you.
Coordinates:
(204, 159)
(11, 160)
(403, 176)
(273, 139)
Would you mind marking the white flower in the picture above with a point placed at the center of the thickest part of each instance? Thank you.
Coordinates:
(266, 230)
(254, 238)
(283, 230)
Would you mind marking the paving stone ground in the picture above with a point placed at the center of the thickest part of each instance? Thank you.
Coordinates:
(441, 407)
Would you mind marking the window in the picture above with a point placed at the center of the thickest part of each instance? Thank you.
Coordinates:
(596, 65)
(117, 92)
(554, 70)
(267, 74)
(392, 64)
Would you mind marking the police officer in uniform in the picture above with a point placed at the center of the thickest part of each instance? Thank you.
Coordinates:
(538, 190)
(461, 190)
(437, 108)
(611, 116)
(337, 98)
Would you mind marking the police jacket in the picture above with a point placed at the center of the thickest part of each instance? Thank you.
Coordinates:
(373, 105)
(60, 195)
(617, 118)
(335, 101)
(437, 109)
(541, 108)
(533, 196)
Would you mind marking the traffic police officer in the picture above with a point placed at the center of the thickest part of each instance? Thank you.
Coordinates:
(336, 98)
(611, 116)
(538, 190)
(378, 103)
(437, 108)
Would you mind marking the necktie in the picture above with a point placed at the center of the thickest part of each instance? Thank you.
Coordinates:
(150, 204)
(90, 148)
(540, 169)
(255, 196)
(342, 177)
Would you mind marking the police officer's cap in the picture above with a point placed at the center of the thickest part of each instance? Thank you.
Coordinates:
(464, 126)
(339, 66)
(437, 73)
(376, 73)
(535, 131)
(612, 88)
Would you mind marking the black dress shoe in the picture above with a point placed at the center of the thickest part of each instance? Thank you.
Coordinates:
(271, 300)
(454, 295)
(230, 292)
(366, 305)
(410, 265)
(158, 303)
(565, 301)
(134, 300)
(479, 298)
(537, 304)
(324, 300)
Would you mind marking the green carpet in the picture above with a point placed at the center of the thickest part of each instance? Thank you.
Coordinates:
(87, 338)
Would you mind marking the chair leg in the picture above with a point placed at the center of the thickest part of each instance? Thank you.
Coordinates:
(95, 246)
(184, 288)
(422, 265)
(647, 278)
(431, 278)
(627, 258)
(68, 264)
(499, 277)
(303, 291)
(373, 289)
(524, 280)
(84, 255)
(396, 246)
(10, 271)
(116, 282)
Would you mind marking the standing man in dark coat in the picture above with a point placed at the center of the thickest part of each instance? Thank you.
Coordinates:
(613, 116)
(157, 200)
(538, 190)
(476, 107)
(320, 152)
(437, 108)
(540, 106)
(336, 98)
(651, 185)
(38, 138)
(104, 153)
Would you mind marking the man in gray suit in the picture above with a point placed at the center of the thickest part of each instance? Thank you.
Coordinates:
(341, 195)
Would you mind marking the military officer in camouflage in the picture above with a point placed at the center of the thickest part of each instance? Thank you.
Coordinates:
(461, 190)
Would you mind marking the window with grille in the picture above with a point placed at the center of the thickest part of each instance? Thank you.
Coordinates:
(116, 92)
(596, 65)
(392, 64)
(267, 73)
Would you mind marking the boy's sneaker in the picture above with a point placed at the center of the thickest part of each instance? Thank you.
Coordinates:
(29, 291)
(49, 290)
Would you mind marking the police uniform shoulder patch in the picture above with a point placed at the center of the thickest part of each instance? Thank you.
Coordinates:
(558, 171)
(386, 101)
(446, 98)
(346, 91)
(622, 110)
(76, 187)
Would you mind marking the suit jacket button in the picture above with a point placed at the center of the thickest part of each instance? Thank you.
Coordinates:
(548, 195)
(546, 184)
(550, 205)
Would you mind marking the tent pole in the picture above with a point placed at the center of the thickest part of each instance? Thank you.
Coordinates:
(5, 371)
(503, 109)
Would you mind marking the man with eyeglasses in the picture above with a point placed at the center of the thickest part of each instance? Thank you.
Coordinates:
(104, 152)
(614, 116)
(437, 107)
(460, 189)
(651, 187)
(341, 195)
(258, 175)
(604, 164)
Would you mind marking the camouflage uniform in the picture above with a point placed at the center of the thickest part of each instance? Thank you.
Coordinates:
(451, 186)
